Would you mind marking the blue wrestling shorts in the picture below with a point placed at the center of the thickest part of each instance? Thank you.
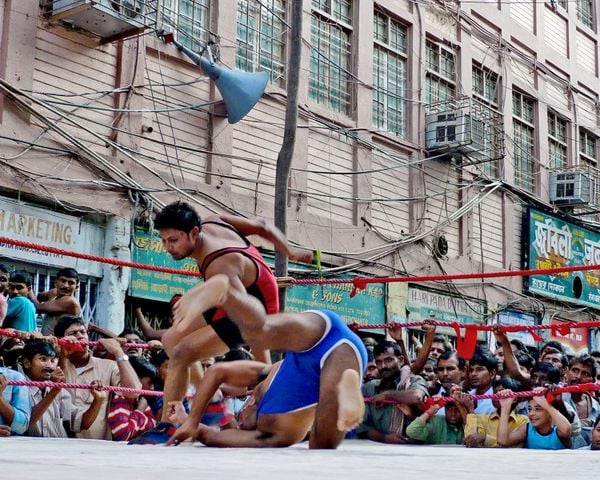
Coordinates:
(295, 386)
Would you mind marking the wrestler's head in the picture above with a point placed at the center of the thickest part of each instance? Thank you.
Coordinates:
(179, 228)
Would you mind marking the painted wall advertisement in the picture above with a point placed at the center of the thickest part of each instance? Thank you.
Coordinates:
(424, 304)
(157, 285)
(366, 308)
(28, 223)
(556, 243)
(576, 340)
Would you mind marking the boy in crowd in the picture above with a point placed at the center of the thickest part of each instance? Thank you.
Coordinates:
(52, 409)
(20, 313)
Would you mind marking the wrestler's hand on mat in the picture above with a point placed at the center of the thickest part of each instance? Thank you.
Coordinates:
(187, 430)
(4, 431)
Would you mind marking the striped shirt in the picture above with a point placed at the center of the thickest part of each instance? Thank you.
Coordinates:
(125, 421)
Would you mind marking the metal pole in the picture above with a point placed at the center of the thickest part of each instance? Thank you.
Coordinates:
(284, 160)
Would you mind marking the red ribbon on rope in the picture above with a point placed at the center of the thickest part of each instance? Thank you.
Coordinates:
(584, 387)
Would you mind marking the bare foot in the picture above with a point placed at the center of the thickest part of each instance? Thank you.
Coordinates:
(210, 294)
(351, 405)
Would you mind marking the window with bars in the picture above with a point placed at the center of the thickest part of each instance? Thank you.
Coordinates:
(585, 12)
(588, 148)
(441, 73)
(260, 37)
(523, 141)
(389, 74)
(330, 57)
(188, 20)
(557, 141)
(486, 90)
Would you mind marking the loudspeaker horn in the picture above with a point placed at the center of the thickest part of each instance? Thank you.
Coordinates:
(240, 90)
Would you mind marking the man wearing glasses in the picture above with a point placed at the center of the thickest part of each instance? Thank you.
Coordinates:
(20, 313)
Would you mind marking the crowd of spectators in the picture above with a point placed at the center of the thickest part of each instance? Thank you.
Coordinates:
(396, 387)
(396, 384)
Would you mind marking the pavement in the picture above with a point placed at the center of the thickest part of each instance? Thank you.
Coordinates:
(23, 458)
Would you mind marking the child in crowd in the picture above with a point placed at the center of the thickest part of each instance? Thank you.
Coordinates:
(547, 428)
(53, 408)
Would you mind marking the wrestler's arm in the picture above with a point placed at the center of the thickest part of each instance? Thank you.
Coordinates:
(242, 373)
(257, 226)
(240, 438)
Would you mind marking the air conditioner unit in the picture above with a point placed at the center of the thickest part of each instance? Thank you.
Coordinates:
(455, 130)
(105, 18)
(570, 188)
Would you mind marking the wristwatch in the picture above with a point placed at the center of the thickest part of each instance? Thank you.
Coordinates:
(123, 358)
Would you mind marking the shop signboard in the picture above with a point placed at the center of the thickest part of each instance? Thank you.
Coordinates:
(553, 242)
(33, 224)
(424, 303)
(367, 307)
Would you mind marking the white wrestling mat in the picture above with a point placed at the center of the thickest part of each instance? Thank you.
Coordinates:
(58, 459)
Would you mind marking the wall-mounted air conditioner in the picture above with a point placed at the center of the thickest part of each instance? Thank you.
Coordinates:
(570, 188)
(105, 18)
(455, 130)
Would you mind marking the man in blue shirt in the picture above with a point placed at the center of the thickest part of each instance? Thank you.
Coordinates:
(15, 405)
(20, 313)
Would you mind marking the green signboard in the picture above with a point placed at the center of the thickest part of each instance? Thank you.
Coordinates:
(425, 303)
(366, 308)
(556, 243)
(158, 286)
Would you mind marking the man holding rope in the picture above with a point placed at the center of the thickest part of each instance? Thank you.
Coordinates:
(317, 384)
(219, 246)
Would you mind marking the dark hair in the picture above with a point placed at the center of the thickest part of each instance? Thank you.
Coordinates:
(177, 215)
(519, 344)
(596, 422)
(444, 340)
(508, 383)
(158, 357)
(135, 331)
(38, 347)
(4, 268)
(68, 273)
(524, 359)
(448, 354)
(586, 360)
(551, 371)
(65, 322)
(143, 368)
(22, 277)
(382, 346)
(554, 344)
(484, 358)
(595, 354)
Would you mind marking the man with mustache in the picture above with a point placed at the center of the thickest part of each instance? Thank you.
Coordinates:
(385, 422)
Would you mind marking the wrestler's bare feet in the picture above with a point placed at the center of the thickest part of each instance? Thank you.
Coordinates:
(351, 405)
(210, 294)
